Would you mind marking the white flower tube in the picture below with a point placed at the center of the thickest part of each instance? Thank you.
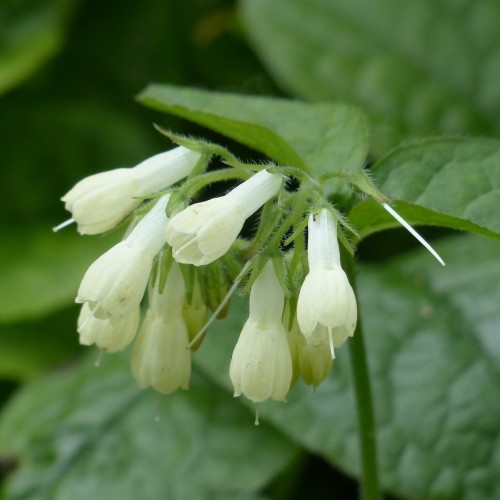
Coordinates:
(109, 336)
(161, 357)
(261, 365)
(326, 309)
(205, 231)
(114, 284)
(99, 202)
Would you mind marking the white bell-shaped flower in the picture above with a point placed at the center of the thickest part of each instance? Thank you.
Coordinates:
(161, 357)
(261, 365)
(115, 283)
(108, 336)
(326, 309)
(99, 202)
(205, 231)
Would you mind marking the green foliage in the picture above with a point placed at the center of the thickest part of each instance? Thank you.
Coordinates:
(28, 349)
(43, 278)
(93, 434)
(420, 68)
(68, 74)
(435, 425)
(318, 138)
(443, 182)
(434, 352)
(30, 34)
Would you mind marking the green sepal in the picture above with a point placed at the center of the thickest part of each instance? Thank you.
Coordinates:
(200, 145)
(282, 273)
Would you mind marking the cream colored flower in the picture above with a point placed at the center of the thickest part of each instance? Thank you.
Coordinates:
(161, 357)
(311, 362)
(261, 365)
(205, 231)
(110, 337)
(99, 202)
(326, 309)
(115, 283)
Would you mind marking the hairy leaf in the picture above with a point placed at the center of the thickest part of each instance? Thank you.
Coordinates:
(416, 68)
(92, 434)
(434, 357)
(444, 182)
(321, 138)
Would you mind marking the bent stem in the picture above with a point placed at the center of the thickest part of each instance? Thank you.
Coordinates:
(364, 404)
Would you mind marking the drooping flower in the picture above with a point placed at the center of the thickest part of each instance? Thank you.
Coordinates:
(261, 365)
(205, 231)
(161, 357)
(311, 362)
(109, 336)
(326, 308)
(115, 283)
(99, 202)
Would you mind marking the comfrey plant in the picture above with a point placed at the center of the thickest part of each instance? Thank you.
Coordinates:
(192, 257)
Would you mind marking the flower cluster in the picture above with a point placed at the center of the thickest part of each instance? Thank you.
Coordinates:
(191, 257)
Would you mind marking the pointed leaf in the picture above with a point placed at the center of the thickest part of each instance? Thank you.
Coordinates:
(320, 138)
(445, 182)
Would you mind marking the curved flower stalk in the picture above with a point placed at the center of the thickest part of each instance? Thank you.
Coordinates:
(205, 231)
(161, 357)
(108, 336)
(99, 202)
(261, 365)
(326, 308)
(115, 283)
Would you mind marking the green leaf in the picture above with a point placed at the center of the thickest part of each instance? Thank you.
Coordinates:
(444, 182)
(45, 275)
(322, 138)
(434, 357)
(426, 67)
(30, 34)
(92, 434)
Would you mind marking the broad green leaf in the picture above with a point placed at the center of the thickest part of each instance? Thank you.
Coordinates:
(434, 356)
(45, 275)
(30, 33)
(92, 433)
(444, 182)
(29, 349)
(416, 68)
(322, 138)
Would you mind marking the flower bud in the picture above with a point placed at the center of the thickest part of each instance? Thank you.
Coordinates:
(115, 283)
(161, 357)
(195, 315)
(261, 365)
(99, 202)
(326, 308)
(108, 336)
(311, 362)
(205, 231)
